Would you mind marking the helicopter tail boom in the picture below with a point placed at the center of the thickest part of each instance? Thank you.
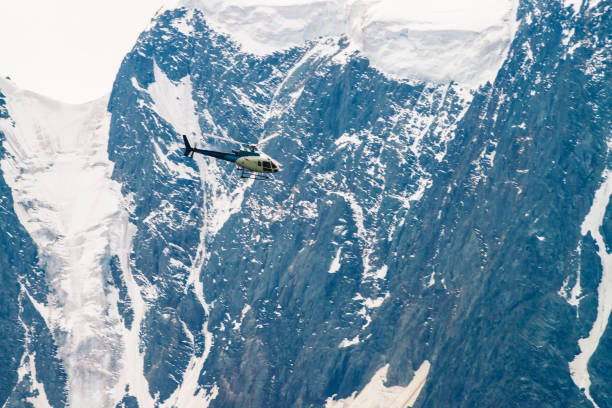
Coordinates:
(188, 149)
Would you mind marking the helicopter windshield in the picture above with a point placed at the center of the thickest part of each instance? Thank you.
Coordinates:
(269, 166)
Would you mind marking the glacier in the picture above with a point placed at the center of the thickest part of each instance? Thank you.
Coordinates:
(59, 173)
(436, 237)
(435, 40)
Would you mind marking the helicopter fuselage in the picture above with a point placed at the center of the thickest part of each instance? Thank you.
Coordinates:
(257, 161)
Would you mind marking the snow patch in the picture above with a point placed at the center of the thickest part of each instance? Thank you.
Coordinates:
(376, 395)
(381, 273)
(245, 310)
(347, 343)
(592, 224)
(335, 264)
(576, 4)
(567, 36)
(571, 296)
(173, 101)
(372, 303)
(347, 139)
(364, 235)
(593, 3)
(307, 209)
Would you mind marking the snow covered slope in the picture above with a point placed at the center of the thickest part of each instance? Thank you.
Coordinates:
(439, 40)
(59, 173)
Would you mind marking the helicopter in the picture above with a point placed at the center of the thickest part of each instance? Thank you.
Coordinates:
(253, 163)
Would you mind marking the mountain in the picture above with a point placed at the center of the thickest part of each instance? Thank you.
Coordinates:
(431, 240)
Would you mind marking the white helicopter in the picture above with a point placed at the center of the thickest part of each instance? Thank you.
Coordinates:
(253, 163)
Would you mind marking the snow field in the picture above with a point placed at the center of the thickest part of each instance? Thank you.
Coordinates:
(439, 40)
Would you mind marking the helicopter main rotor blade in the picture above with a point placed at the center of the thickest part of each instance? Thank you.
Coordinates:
(267, 138)
(227, 139)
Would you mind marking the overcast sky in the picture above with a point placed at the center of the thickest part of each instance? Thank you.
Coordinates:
(69, 50)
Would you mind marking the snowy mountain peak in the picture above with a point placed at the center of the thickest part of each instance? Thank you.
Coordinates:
(439, 40)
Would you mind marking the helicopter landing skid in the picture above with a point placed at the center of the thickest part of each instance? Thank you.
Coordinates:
(246, 174)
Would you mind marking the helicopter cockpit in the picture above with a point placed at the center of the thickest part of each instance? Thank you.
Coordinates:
(269, 166)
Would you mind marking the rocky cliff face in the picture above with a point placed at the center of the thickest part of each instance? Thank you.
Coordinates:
(292, 268)
(424, 243)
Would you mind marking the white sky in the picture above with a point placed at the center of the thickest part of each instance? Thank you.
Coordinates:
(69, 50)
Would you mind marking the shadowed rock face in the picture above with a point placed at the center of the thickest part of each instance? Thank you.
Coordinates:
(411, 222)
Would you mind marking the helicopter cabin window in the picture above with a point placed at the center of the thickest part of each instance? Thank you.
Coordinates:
(266, 165)
(259, 163)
